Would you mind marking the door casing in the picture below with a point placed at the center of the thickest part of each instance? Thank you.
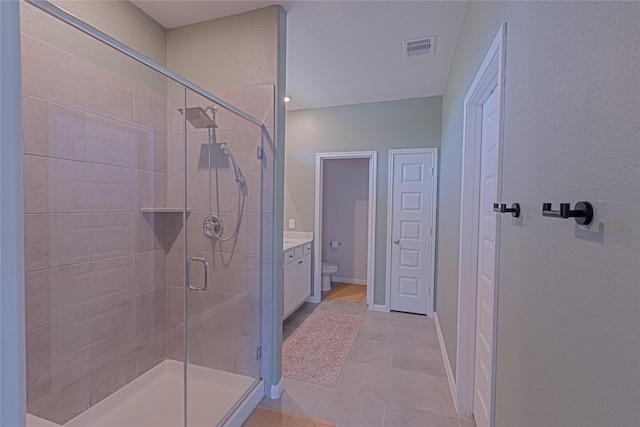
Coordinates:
(490, 76)
(434, 210)
(372, 156)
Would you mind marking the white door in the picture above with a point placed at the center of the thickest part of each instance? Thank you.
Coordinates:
(412, 222)
(486, 260)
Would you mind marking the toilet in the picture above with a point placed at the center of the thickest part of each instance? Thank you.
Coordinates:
(328, 268)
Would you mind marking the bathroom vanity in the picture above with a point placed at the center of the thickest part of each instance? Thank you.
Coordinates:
(297, 272)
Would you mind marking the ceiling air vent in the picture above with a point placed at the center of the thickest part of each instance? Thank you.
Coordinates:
(419, 47)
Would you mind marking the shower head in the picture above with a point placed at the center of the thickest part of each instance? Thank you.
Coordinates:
(199, 119)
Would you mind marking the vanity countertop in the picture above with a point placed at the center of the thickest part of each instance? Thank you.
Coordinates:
(292, 243)
(292, 239)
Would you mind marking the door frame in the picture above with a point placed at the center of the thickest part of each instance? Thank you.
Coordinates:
(490, 76)
(372, 156)
(434, 213)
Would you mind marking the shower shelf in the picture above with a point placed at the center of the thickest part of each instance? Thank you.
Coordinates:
(163, 210)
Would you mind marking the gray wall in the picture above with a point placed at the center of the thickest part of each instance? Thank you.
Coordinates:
(227, 53)
(569, 299)
(410, 123)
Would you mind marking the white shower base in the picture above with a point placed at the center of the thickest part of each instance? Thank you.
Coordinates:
(155, 399)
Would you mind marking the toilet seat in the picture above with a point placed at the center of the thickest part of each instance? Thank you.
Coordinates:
(329, 267)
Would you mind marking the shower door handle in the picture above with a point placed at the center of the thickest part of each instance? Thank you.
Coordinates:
(206, 274)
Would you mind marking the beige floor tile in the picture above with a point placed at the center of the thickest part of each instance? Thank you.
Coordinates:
(423, 362)
(373, 414)
(422, 392)
(412, 320)
(364, 380)
(298, 397)
(465, 422)
(395, 362)
(342, 307)
(408, 417)
(421, 338)
(376, 332)
(371, 352)
(344, 409)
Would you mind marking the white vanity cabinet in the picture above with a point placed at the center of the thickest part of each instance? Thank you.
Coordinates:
(297, 277)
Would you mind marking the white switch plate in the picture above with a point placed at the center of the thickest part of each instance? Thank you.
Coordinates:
(292, 223)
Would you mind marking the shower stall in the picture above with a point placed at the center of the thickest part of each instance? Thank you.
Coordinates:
(147, 207)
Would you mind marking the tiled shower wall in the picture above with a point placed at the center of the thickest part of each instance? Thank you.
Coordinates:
(224, 322)
(95, 152)
(104, 280)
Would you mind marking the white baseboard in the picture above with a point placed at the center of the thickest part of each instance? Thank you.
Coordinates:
(447, 365)
(349, 280)
(276, 389)
(313, 299)
(379, 307)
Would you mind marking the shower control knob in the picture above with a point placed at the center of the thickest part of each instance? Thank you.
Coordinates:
(396, 241)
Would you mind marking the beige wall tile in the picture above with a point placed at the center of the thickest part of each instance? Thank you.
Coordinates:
(55, 348)
(111, 333)
(150, 150)
(52, 74)
(54, 185)
(112, 234)
(151, 271)
(150, 311)
(109, 95)
(247, 145)
(111, 377)
(247, 362)
(112, 282)
(151, 349)
(218, 350)
(53, 130)
(248, 313)
(150, 189)
(62, 397)
(55, 294)
(110, 142)
(55, 240)
(149, 110)
(110, 188)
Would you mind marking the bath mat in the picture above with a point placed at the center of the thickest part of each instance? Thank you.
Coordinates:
(347, 292)
(317, 352)
(269, 417)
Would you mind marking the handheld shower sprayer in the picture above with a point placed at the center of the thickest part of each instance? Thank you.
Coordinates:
(240, 179)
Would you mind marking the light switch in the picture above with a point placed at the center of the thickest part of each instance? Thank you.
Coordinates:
(292, 223)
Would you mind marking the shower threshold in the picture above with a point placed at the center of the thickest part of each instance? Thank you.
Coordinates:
(155, 399)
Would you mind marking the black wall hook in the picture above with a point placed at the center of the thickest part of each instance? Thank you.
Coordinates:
(583, 212)
(514, 210)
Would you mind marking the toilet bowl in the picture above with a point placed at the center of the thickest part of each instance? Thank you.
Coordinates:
(328, 269)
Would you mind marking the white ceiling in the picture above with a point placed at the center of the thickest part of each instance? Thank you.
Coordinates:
(345, 52)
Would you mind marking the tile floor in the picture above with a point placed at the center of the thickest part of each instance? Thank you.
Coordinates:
(394, 375)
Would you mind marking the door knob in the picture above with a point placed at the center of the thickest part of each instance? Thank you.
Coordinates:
(396, 241)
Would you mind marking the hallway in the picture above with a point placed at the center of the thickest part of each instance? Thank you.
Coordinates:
(394, 374)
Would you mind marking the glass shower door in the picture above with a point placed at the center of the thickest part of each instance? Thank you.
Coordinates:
(221, 314)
